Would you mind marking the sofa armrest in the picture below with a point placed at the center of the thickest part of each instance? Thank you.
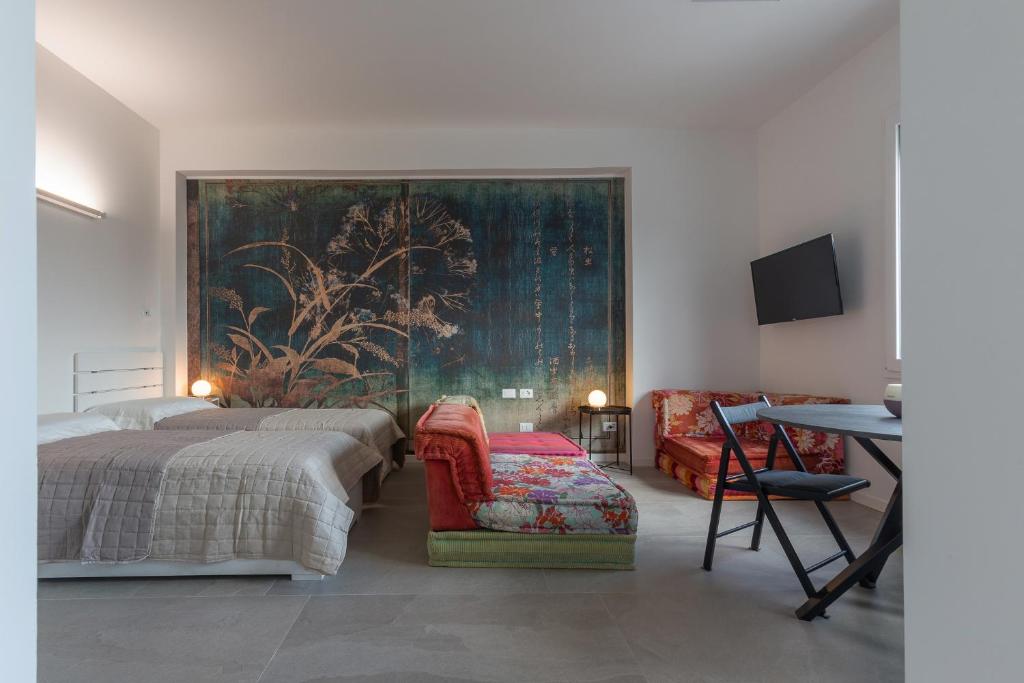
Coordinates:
(454, 434)
(687, 412)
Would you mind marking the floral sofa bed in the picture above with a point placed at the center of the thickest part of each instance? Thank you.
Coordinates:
(688, 440)
(519, 509)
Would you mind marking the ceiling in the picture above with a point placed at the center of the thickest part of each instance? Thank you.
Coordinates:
(563, 63)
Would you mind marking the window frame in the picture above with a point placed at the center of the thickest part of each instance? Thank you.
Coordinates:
(893, 256)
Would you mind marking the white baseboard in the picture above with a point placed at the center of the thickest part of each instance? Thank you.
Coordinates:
(868, 500)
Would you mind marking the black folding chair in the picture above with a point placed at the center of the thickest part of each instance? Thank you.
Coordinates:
(798, 484)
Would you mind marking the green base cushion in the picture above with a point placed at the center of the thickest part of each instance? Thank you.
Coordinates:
(551, 551)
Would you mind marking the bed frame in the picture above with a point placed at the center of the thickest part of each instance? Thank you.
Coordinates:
(109, 376)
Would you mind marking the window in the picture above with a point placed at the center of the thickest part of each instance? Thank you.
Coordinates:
(893, 346)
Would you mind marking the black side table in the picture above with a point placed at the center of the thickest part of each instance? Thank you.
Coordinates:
(625, 412)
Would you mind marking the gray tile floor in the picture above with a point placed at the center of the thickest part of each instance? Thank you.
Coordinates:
(387, 616)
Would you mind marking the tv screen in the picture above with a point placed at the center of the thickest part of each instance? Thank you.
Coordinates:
(797, 283)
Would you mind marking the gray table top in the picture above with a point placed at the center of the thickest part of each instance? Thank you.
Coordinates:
(866, 421)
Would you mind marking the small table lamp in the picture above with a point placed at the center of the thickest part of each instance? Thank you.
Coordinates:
(201, 388)
(597, 399)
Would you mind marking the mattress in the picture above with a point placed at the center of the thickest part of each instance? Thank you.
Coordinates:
(554, 495)
(534, 443)
(374, 428)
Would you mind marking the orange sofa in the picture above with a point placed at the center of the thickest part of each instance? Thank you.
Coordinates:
(688, 440)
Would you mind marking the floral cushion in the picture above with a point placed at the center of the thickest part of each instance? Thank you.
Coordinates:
(683, 412)
(554, 495)
(687, 413)
(808, 441)
(703, 454)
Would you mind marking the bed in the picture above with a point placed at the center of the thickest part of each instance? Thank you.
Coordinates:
(127, 387)
(116, 502)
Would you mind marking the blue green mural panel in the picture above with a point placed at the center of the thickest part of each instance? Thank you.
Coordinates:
(322, 293)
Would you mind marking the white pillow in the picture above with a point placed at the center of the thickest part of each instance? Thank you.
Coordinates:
(57, 426)
(143, 413)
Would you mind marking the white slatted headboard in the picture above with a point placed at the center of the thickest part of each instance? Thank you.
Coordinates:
(110, 376)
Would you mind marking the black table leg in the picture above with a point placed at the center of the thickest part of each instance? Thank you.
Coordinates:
(892, 519)
(590, 437)
(867, 567)
(616, 441)
(892, 524)
(880, 457)
(629, 426)
(844, 580)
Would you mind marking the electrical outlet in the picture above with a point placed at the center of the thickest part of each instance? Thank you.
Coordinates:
(609, 427)
(526, 426)
(508, 393)
(526, 393)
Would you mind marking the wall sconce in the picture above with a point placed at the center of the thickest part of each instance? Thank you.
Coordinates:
(65, 203)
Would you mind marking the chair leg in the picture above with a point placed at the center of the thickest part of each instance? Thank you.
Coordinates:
(716, 512)
(787, 546)
(755, 541)
(837, 533)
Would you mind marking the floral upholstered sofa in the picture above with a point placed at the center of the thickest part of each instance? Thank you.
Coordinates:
(517, 509)
(688, 439)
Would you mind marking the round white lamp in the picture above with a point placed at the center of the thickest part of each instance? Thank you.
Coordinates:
(597, 399)
(201, 388)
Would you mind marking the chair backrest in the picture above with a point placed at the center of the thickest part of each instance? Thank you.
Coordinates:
(728, 416)
(733, 415)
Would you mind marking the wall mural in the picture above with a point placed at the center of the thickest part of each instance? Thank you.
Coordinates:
(335, 293)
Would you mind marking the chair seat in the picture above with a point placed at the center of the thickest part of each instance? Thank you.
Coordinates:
(802, 485)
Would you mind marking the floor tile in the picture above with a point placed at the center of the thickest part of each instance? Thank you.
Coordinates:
(738, 636)
(465, 638)
(162, 639)
(389, 519)
(59, 589)
(399, 566)
(672, 565)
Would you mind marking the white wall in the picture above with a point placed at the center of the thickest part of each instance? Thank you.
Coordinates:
(18, 345)
(693, 218)
(822, 168)
(963, 296)
(96, 277)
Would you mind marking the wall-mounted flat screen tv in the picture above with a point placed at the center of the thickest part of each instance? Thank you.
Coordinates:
(798, 283)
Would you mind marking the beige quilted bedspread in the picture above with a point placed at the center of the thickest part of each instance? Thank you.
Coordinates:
(371, 427)
(203, 496)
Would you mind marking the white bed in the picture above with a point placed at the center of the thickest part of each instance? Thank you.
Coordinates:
(116, 502)
(166, 568)
(105, 377)
(127, 387)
